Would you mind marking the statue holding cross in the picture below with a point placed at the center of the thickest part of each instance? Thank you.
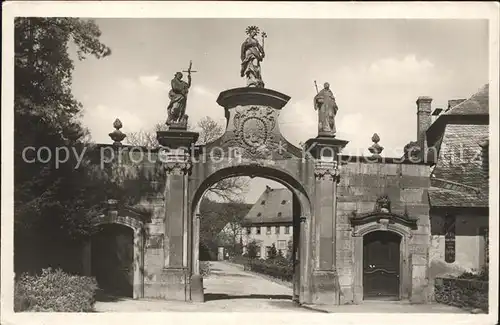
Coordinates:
(178, 98)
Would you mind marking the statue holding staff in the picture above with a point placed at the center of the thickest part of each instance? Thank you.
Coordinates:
(252, 54)
(324, 103)
(176, 109)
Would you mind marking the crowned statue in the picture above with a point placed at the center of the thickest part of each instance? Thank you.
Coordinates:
(252, 54)
(324, 103)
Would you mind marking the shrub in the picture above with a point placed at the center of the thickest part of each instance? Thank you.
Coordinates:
(204, 268)
(273, 253)
(252, 249)
(481, 276)
(462, 292)
(55, 291)
(243, 259)
(278, 267)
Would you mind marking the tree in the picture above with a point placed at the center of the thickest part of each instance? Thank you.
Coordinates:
(220, 224)
(51, 200)
(252, 249)
(233, 214)
(144, 138)
(273, 253)
(210, 130)
(229, 189)
(289, 251)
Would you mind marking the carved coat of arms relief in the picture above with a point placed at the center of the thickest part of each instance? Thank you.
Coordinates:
(254, 131)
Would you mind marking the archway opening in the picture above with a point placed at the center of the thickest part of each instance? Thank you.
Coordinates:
(113, 260)
(266, 233)
(381, 265)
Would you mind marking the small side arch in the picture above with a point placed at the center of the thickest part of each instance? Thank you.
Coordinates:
(128, 217)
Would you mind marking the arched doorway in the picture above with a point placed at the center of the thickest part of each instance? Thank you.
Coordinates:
(117, 251)
(381, 265)
(382, 239)
(113, 259)
(301, 212)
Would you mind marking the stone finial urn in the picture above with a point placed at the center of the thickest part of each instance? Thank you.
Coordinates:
(375, 148)
(117, 136)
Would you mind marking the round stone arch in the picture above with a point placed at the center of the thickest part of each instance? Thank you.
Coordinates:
(401, 225)
(254, 170)
(138, 227)
(301, 200)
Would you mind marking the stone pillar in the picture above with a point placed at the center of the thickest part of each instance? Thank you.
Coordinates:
(138, 290)
(176, 275)
(196, 277)
(296, 258)
(325, 282)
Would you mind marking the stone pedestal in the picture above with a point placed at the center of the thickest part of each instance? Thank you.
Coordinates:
(325, 282)
(175, 155)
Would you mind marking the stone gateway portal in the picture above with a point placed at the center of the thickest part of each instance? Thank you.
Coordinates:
(361, 223)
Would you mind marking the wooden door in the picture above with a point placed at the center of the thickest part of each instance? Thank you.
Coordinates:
(113, 260)
(381, 265)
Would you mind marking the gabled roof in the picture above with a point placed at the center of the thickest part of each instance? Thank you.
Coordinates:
(474, 110)
(477, 104)
(273, 206)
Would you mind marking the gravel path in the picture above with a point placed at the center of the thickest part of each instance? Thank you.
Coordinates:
(230, 288)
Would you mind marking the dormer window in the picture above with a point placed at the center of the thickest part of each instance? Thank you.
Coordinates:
(279, 214)
(283, 202)
(263, 202)
(259, 214)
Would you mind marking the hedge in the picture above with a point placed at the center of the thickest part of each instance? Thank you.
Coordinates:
(243, 260)
(460, 292)
(55, 291)
(279, 268)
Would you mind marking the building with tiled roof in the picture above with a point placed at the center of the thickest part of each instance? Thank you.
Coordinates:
(460, 136)
(458, 144)
(269, 221)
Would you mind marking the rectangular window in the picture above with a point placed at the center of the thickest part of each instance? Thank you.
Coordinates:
(268, 251)
(268, 230)
(281, 244)
(258, 251)
(257, 230)
(287, 230)
(249, 230)
(277, 230)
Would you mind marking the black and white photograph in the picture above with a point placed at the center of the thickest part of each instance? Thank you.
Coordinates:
(307, 162)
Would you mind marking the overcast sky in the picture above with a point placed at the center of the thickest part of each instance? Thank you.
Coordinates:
(376, 69)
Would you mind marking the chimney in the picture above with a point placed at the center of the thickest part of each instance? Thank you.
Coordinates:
(453, 103)
(423, 121)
